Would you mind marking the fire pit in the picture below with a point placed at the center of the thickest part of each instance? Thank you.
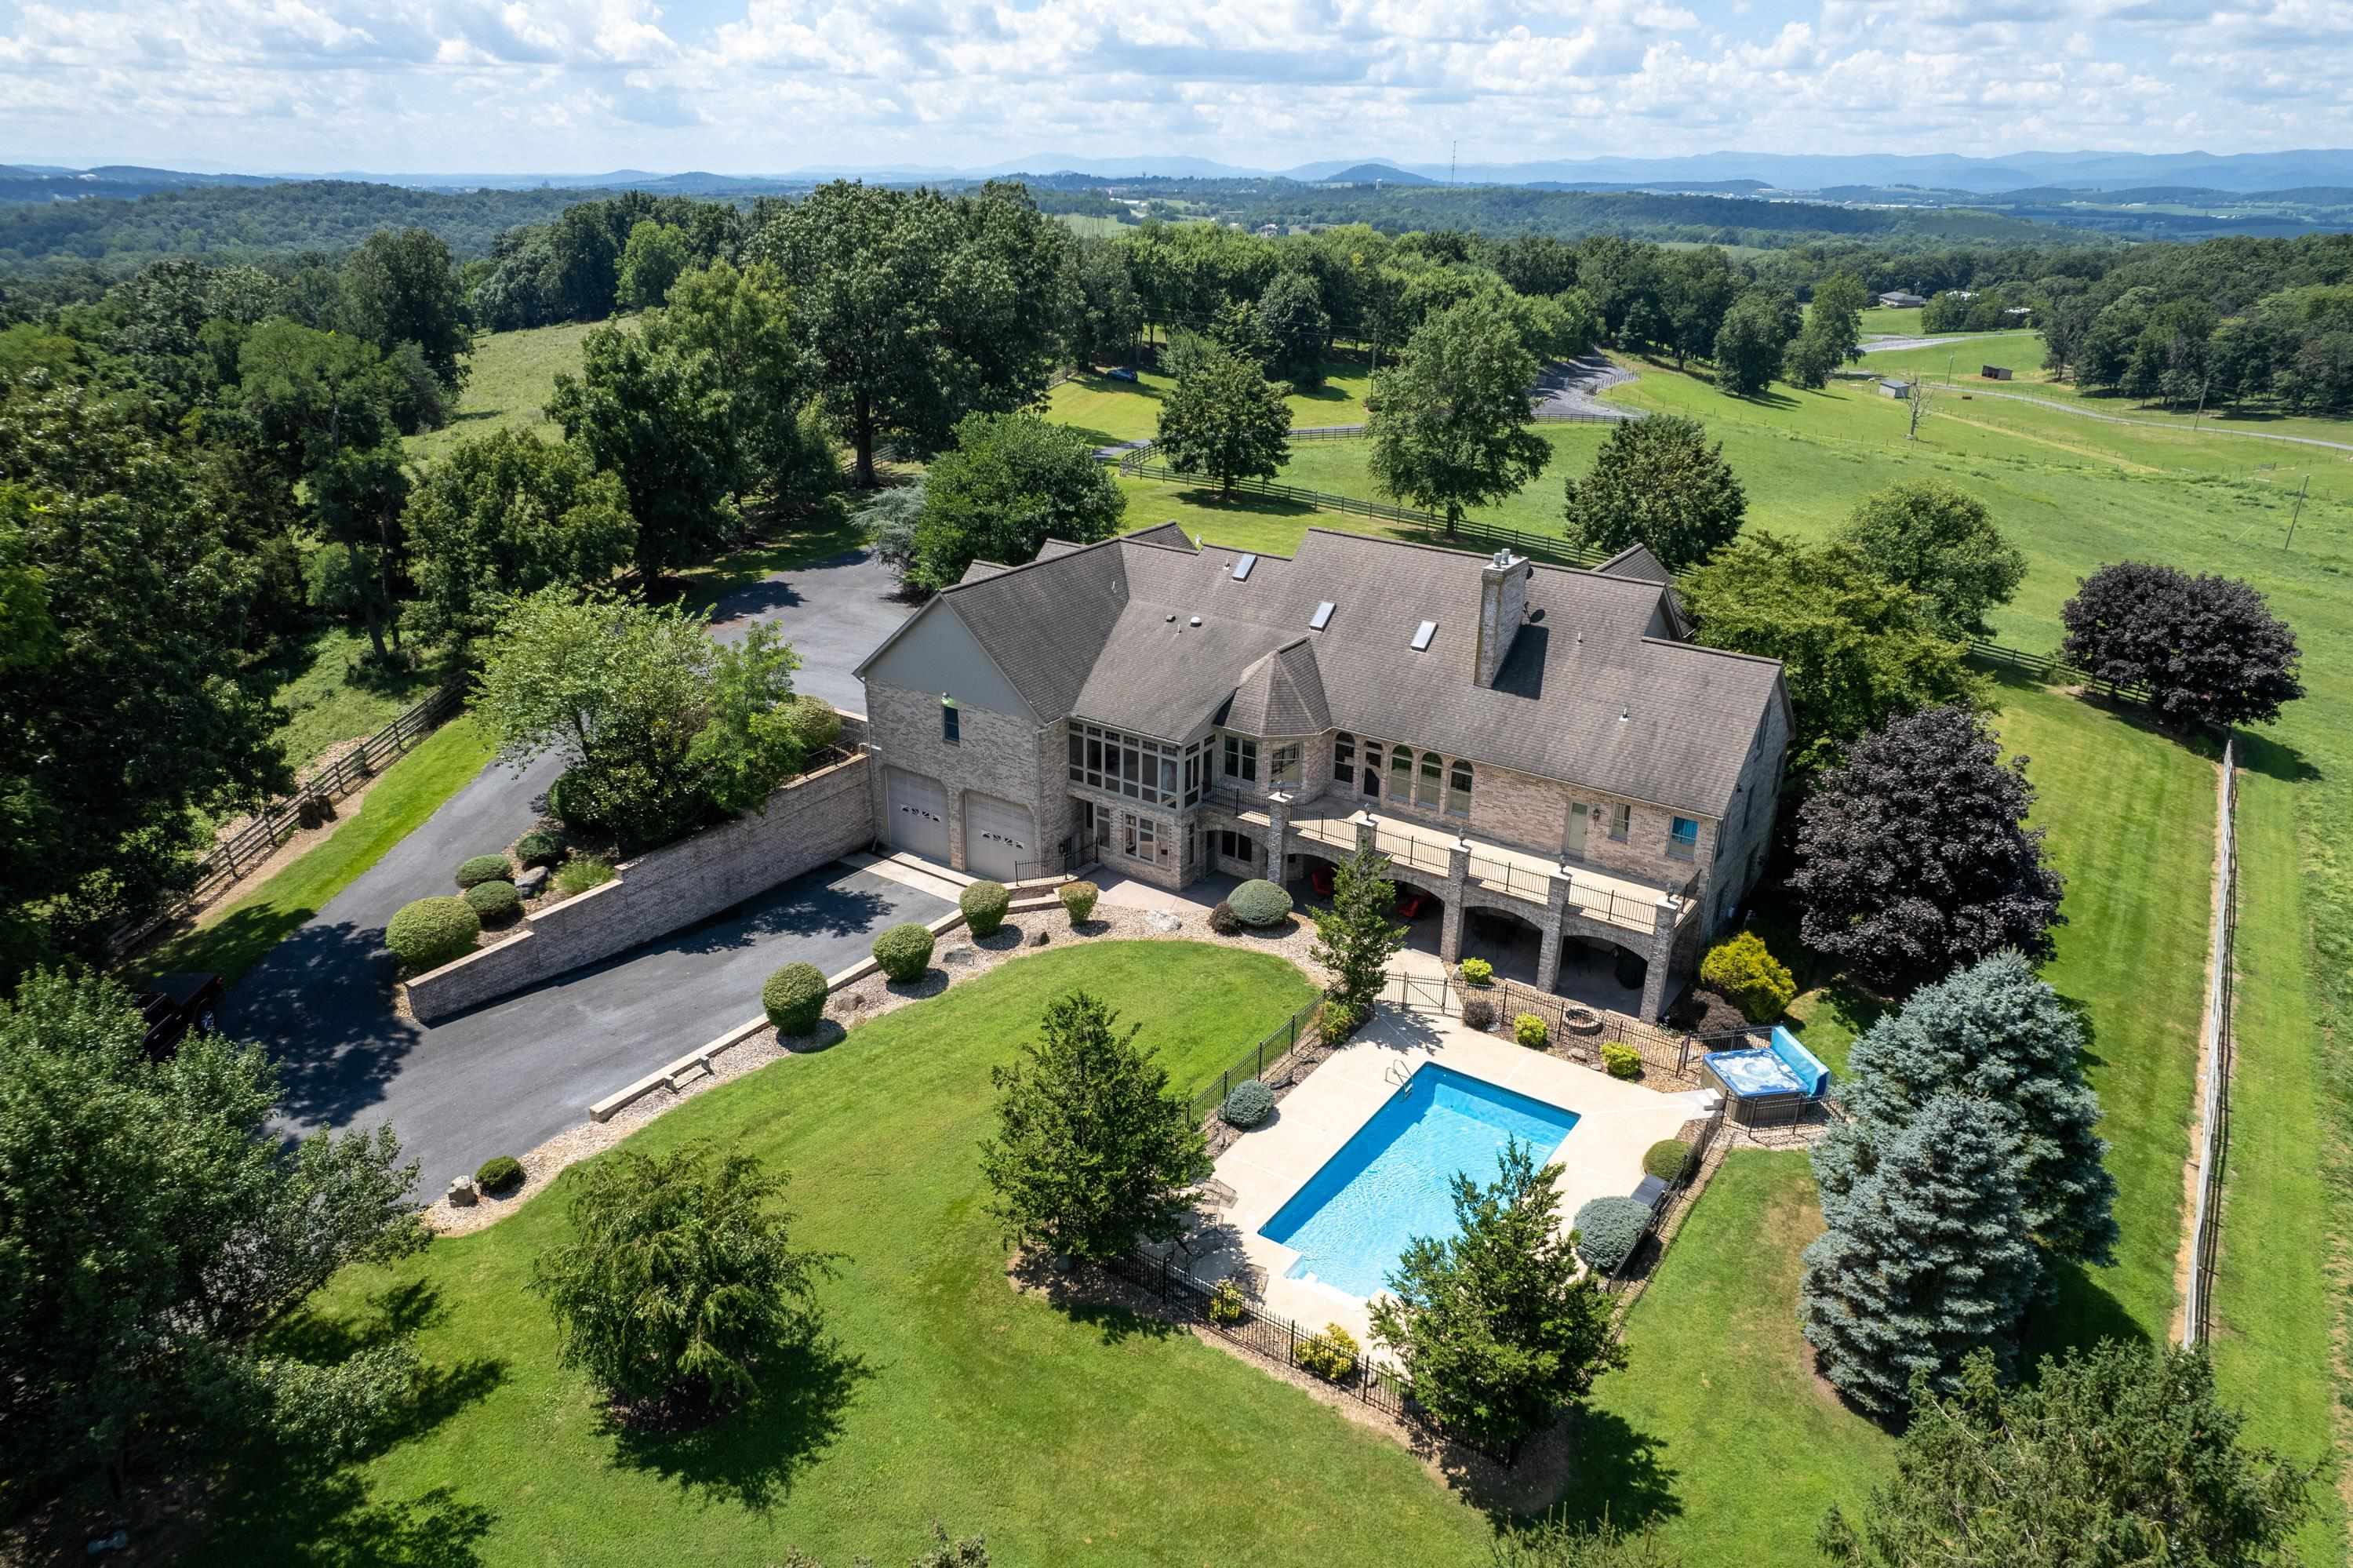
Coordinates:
(1579, 1021)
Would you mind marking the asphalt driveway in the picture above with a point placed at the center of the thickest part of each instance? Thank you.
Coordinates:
(507, 1077)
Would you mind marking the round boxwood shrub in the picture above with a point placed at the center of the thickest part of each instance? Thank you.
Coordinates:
(1224, 921)
(1759, 984)
(495, 903)
(1477, 1013)
(904, 952)
(1607, 1230)
(1478, 971)
(1622, 1061)
(498, 1173)
(1258, 902)
(432, 932)
(794, 999)
(1079, 899)
(1666, 1159)
(484, 868)
(983, 905)
(1249, 1103)
(539, 849)
(1530, 1031)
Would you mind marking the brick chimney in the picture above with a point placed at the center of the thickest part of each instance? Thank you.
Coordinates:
(1503, 602)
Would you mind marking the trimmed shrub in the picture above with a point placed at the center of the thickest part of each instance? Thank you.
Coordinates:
(1224, 921)
(1227, 1304)
(794, 999)
(484, 868)
(1249, 1104)
(1530, 1031)
(1756, 983)
(1666, 1159)
(904, 952)
(495, 903)
(1258, 902)
(1079, 899)
(1608, 1230)
(581, 872)
(432, 932)
(983, 905)
(1705, 1012)
(1330, 1355)
(539, 849)
(498, 1173)
(1478, 971)
(1621, 1060)
(1477, 1013)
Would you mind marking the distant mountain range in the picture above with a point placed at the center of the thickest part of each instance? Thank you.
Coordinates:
(1937, 176)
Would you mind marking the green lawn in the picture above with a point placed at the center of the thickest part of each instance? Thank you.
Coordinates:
(233, 939)
(1887, 321)
(510, 377)
(1090, 1437)
(1113, 411)
(331, 692)
(1718, 1428)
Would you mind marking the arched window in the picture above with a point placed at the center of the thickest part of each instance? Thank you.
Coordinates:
(1373, 768)
(1458, 791)
(1431, 772)
(1401, 775)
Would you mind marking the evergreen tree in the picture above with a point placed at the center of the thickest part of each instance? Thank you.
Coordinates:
(1356, 938)
(1926, 1258)
(1224, 420)
(1094, 1155)
(1499, 1328)
(1997, 1034)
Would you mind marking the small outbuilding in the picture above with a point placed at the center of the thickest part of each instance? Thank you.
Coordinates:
(1997, 371)
(1890, 388)
(1897, 300)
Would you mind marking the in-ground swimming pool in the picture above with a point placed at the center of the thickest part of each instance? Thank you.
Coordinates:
(1393, 1180)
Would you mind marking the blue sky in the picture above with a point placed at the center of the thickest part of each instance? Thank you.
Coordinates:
(768, 85)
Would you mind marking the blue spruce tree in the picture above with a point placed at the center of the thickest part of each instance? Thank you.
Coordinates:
(1926, 1258)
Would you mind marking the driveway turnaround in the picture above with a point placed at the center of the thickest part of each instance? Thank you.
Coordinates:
(508, 1075)
(322, 1000)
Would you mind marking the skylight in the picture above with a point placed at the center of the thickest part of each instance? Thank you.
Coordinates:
(1242, 565)
(1422, 634)
(1322, 618)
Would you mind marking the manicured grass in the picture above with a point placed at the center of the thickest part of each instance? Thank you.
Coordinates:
(2273, 1292)
(1718, 1428)
(1885, 321)
(234, 939)
(510, 377)
(1114, 411)
(1081, 1436)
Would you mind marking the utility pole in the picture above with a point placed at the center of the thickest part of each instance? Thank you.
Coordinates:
(2297, 512)
(1949, 366)
(1453, 149)
(2201, 407)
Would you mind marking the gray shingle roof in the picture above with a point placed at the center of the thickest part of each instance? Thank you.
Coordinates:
(1588, 695)
(1637, 564)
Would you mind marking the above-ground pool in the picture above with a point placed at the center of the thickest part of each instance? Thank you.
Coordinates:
(1394, 1180)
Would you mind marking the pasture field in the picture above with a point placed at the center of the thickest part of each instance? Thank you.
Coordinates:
(510, 377)
(1111, 411)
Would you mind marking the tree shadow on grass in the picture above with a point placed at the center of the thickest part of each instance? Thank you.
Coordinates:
(2275, 759)
(1616, 1473)
(752, 1456)
(2083, 1314)
(325, 1521)
(1089, 1296)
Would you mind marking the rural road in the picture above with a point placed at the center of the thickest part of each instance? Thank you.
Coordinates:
(1568, 389)
(322, 1000)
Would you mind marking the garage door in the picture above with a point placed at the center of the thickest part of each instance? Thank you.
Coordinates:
(997, 838)
(919, 815)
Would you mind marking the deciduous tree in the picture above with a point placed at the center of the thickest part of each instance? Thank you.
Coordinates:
(508, 514)
(1749, 345)
(1224, 420)
(1292, 316)
(2207, 647)
(1011, 483)
(400, 287)
(1094, 1155)
(1498, 1327)
(1657, 483)
(651, 261)
(1940, 542)
(1451, 431)
(1914, 855)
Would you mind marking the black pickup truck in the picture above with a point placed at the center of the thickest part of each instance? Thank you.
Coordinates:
(174, 1005)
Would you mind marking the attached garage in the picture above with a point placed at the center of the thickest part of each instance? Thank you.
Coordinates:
(998, 837)
(918, 815)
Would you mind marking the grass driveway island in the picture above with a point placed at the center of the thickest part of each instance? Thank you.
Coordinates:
(1100, 1438)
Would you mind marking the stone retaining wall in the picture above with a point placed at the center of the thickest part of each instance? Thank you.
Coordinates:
(817, 817)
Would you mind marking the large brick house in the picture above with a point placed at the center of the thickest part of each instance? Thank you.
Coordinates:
(1540, 751)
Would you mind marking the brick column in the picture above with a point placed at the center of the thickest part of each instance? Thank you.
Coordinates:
(1554, 921)
(1458, 882)
(1367, 831)
(1663, 949)
(1278, 826)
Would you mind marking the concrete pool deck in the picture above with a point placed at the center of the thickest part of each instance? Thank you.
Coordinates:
(1617, 1122)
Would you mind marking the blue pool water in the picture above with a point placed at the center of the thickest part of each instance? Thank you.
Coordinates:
(1393, 1180)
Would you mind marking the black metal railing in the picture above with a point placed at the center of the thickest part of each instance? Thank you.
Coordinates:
(1272, 1061)
(1643, 1259)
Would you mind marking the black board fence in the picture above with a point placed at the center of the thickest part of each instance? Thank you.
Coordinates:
(237, 855)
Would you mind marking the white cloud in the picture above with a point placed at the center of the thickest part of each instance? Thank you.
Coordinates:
(775, 84)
